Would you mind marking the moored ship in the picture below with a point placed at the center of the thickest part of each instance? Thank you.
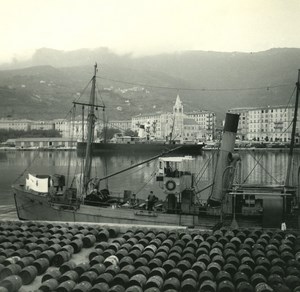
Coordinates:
(47, 197)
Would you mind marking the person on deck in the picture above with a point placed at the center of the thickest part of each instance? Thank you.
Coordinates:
(151, 201)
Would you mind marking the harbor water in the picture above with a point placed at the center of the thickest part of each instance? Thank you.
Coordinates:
(263, 167)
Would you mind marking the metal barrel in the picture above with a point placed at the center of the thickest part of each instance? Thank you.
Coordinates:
(113, 232)
(190, 273)
(26, 261)
(60, 258)
(52, 273)
(226, 286)
(11, 260)
(66, 266)
(168, 265)
(81, 268)
(154, 282)
(69, 275)
(95, 252)
(12, 269)
(77, 245)
(56, 247)
(48, 254)
(12, 283)
(171, 283)
(88, 276)
(112, 269)
(223, 276)
(83, 286)
(199, 267)
(158, 271)
(127, 260)
(134, 288)
(154, 263)
(104, 278)
(230, 268)
(292, 281)
(68, 248)
(103, 287)
(188, 285)
(121, 279)
(205, 275)
(49, 285)
(117, 288)
(34, 253)
(138, 280)
(103, 235)
(28, 274)
(244, 287)
(142, 261)
(257, 278)
(240, 277)
(89, 240)
(66, 286)
(260, 269)
(208, 286)
(263, 287)
(245, 269)
(99, 259)
(145, 270)
(128, 270)
(98, 268)
(174, 273)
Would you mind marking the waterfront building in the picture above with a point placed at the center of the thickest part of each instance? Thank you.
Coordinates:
(267, 123)
(207, 121)
(44, 143)
(167, 126)
(177, 125)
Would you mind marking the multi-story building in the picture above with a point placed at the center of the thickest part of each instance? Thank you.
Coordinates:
(168, 126)
(207, 122)
(177, 125)
(267, 124)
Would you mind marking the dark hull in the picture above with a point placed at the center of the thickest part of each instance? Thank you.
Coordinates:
(181, 149)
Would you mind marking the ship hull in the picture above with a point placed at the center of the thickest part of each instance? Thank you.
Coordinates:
(37, 207)
(119, 148)
(34, 206)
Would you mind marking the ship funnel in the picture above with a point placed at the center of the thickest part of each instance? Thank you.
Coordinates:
(224, 159)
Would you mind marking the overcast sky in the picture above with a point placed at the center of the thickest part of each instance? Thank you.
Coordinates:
(147, 26)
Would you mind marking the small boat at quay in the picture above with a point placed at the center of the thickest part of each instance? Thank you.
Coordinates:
(231, 202)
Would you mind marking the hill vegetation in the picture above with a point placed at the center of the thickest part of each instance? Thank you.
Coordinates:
(45, 86)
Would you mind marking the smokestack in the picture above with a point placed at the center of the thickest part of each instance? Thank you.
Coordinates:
(224, 158)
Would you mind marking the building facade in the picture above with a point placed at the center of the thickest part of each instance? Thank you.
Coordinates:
(168, 126)
(177, 125)
(267, 124)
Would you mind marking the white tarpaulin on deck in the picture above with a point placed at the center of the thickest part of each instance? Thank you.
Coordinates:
(36, 184)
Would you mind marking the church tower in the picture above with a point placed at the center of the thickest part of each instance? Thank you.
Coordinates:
(178, 119)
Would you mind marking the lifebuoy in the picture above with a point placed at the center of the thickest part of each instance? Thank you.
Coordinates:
(170, 185)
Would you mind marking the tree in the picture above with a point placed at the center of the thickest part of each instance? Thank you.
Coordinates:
(108, 133)
(129, 132)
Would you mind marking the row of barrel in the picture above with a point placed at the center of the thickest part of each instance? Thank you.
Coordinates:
(144, 260)
(29, 249)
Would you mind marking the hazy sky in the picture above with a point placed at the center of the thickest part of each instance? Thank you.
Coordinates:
(147, 26)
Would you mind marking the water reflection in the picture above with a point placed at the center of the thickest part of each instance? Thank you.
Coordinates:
(256, 167)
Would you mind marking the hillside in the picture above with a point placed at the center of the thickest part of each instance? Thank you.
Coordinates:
(44, 86)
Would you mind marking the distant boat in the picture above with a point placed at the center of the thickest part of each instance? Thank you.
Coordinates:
(48, 198)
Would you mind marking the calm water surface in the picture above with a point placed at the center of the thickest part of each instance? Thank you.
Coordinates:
(256, 167)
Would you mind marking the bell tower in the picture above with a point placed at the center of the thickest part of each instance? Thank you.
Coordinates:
(178, 119)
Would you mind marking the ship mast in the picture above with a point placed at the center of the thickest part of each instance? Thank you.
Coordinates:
(288, 181)
(90, 132)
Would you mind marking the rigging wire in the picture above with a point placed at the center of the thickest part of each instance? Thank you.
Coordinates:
(193, 89)
(261, 156)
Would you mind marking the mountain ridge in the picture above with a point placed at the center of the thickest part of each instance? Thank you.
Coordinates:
(53, 79)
